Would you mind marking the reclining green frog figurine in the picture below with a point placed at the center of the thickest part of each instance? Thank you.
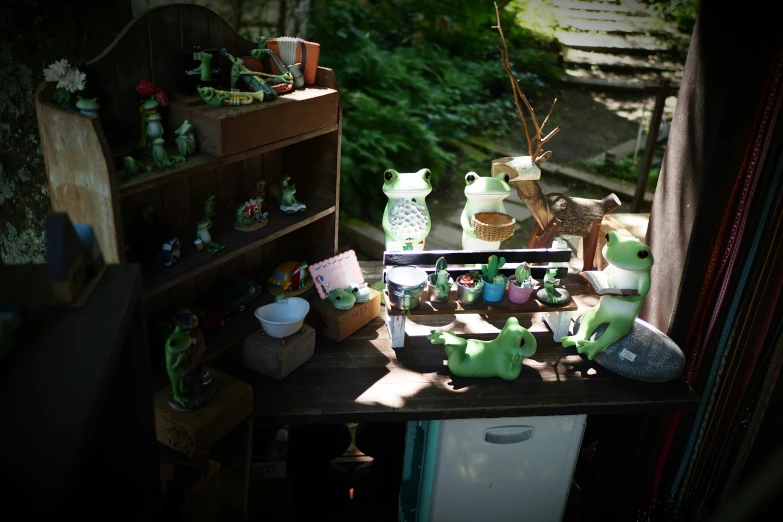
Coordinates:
(629, 267)
(501, 357)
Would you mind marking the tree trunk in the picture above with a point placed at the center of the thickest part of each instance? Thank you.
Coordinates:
(34, 37)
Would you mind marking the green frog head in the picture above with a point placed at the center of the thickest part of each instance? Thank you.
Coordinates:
(626, 252)
(150, 104)
(407, 184)
(185, 128)
(87, 103)
(486, 188)
(342, 299)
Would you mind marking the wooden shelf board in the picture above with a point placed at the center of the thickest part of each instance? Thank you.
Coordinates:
(451, 306)
(194, 262)
(201, 162)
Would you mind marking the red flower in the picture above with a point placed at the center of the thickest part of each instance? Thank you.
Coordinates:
(146, 89)
(162, 98)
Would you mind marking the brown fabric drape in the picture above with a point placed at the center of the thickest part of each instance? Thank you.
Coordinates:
(724, 78)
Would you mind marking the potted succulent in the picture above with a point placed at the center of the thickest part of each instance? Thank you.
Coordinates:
(439, 283)
(469, 287)
(494, 283)
(521, 284)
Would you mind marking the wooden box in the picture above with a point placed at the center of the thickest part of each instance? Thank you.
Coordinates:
(338, 325)
(228, 130)
(269, 357)
(200, 429)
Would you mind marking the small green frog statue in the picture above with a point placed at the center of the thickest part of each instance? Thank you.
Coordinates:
(342, 299)
(551, 294)
(203, 226)
(186, 142)
(406, 219)
(288, 202)
(629, 267)
(190, 383)
(501, 357)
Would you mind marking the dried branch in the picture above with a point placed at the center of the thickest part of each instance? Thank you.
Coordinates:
(537, 140)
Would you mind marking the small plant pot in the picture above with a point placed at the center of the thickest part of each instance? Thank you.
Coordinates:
(469, 295)
(517, 294)
(493, 293)
(434, 293)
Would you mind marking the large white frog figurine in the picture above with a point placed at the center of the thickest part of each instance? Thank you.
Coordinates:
(406, 220)
(485, 194)
(629, 268)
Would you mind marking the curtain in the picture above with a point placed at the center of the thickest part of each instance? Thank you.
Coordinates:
(718, 215)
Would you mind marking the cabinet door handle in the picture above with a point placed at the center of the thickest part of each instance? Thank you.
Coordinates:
(508, 434)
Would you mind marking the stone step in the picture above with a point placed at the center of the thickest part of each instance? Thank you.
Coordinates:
(623, 189)
(612, 43)
(596, 6)
(619, 61)
(602, 15)
(636, 25)
(604, 80)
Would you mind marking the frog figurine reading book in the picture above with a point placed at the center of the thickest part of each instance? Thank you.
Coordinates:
(628, 281)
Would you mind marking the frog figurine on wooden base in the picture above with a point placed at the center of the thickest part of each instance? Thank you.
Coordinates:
(191, 386)
(249, 216)
(629, 267)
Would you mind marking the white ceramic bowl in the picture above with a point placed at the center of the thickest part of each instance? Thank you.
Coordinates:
(282, 318)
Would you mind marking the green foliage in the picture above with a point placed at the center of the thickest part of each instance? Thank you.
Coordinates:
(681, 12)
(415, 78)
(622, 168)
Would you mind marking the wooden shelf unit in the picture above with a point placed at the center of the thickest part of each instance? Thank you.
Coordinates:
(299, 134)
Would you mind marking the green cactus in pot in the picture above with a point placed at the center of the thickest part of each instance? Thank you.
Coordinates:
(490, 270)
(522, 275)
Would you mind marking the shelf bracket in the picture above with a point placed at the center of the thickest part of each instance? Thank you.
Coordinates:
(558, 322)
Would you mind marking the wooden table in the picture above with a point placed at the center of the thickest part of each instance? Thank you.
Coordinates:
(364, 379)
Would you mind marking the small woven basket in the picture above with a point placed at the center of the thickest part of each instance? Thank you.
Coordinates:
(493, 226)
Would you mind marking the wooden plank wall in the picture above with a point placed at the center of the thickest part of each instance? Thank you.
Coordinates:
(145, 50)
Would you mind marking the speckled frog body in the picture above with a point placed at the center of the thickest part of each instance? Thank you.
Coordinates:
(406, 219)
(629, 267)
(484, 194)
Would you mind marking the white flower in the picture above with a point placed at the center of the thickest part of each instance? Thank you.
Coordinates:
(74, 81)
(56, 71)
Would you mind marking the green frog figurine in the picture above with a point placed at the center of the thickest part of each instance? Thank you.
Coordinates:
(203, 226)
(186, 142)
(501, 357)
(551, 294)
(288, 202)
(484, 194)
(406, 219)
(342, 299)
(205, 68)
(629, 267)
(134, 167)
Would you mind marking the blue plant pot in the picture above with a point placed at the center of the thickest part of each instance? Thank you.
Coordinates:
(493, 293)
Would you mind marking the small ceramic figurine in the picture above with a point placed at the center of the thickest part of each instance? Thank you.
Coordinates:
(252, 78)
(469, 287)
(361, 292)
(159, 155)
(290, 277)
(501, 357)
(439, 283)
(342, 299)
(406, 219)
(205, 68)
(629, 267)
(551, 294)
(190, 385)
(249, 216)
(186, 142)
(288, 202)
(484, 194)
(520, 288)
(170, 251)
(134, 167)
(203, 226)
(148, 109)
(216, 98)
(88, 106)
(494, 283)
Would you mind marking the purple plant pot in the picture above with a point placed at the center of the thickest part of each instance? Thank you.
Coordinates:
(516, 294)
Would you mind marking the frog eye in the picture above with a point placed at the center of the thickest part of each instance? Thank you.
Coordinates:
(470, 178)
(642, 254)
(506, 178)
(607, 238)
(355, 290)
(337, 298)
(427, 175)
(388, 175)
